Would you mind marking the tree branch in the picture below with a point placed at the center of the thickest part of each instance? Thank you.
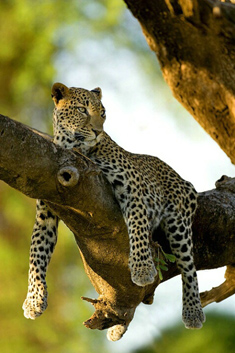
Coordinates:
(225, 290)
(194, 43)
(32, 164)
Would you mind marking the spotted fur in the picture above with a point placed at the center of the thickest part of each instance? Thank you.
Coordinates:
(149, 193)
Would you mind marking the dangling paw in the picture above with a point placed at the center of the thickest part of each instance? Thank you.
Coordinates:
(193, 318)
(35, 304)
(142, 273)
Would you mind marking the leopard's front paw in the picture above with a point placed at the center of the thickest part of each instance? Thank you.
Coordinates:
(193, 318)
(142, 274)
(34, 305)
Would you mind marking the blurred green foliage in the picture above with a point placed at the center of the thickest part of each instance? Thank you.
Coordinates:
(216, 336)
(33, 34)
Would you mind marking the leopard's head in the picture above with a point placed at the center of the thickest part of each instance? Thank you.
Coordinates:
(78, 112)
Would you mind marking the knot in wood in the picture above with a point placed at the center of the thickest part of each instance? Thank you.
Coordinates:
(68, 176)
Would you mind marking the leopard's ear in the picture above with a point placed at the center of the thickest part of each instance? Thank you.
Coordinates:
(59, 91)
(98, 92)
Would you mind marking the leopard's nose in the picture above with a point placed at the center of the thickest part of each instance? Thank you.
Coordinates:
(96, 132)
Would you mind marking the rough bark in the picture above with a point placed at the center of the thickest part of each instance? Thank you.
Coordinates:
(194, 42)
(32, 164)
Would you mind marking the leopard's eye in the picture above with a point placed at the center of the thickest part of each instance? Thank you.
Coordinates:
(82, 109)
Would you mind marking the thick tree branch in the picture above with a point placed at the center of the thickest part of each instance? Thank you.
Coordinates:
(32, 164)
(194, 42)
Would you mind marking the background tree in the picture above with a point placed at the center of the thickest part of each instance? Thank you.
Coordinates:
(29, 97)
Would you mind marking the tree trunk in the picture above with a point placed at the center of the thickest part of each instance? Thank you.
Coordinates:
(75, 189)
(194, 42)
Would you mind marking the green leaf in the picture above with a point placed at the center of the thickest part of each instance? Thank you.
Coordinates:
(164, 268)
(170, 257)
(163, 262)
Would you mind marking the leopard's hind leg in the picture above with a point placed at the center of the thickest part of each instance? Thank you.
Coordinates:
(178, 229)
(43, 241)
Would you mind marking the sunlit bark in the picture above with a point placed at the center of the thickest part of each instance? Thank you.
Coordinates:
(194, 43)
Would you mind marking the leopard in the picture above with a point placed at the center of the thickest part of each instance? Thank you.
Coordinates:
(149, 192)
